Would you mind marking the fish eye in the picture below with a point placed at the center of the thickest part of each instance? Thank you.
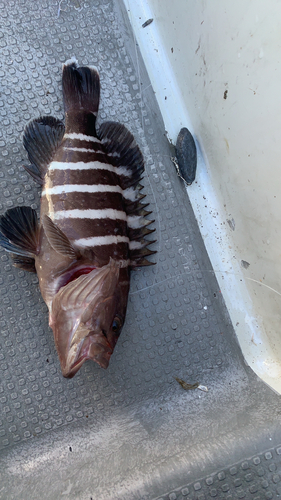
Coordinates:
(117, 324)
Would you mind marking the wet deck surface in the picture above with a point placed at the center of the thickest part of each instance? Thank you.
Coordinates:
(130, 432)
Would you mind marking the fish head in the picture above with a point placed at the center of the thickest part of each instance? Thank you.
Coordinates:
(87, 315)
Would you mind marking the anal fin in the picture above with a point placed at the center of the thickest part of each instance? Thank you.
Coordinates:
(41, 139)
(117, 140)
(34, 172)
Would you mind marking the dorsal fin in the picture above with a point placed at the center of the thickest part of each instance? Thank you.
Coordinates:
(41, 139)
(120, 143)
(19, 231)
(141, 262)
(57, 239)
(137, 234)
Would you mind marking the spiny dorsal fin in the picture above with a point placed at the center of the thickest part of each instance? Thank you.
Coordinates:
(117, 139)
(141, 262)
(137, 255)
(19, 231)
(142, 252)
(135, 207)
(57, 239)
(120, 143)
(41, 139)
(137, 234)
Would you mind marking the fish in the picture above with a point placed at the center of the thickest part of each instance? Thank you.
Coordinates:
(93, 224)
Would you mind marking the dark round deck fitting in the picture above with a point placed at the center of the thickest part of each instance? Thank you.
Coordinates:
(186, 155)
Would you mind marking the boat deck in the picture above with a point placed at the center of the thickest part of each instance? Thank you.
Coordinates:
(130, 432)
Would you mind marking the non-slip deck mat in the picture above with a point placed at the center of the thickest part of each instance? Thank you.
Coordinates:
(131, 431)
(258, 478)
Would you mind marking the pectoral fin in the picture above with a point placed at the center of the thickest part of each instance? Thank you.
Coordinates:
(58, 240)
(19, 235)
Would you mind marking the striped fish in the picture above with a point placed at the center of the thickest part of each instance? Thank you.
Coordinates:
(92, 224)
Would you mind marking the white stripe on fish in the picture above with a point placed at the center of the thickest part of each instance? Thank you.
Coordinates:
(89, 150)
(94, 241)
(81, 137)
(90, 165)
(133, 221)
(83, 150)
(107, 213)
(128, 194)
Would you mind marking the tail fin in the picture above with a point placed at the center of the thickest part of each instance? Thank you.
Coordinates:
(81, 87)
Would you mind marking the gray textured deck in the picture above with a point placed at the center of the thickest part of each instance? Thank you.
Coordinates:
(130, 432)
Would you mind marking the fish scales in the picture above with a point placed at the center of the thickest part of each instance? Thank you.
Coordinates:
(93, 224)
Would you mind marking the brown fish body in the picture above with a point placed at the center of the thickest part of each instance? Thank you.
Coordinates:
(92, 224)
